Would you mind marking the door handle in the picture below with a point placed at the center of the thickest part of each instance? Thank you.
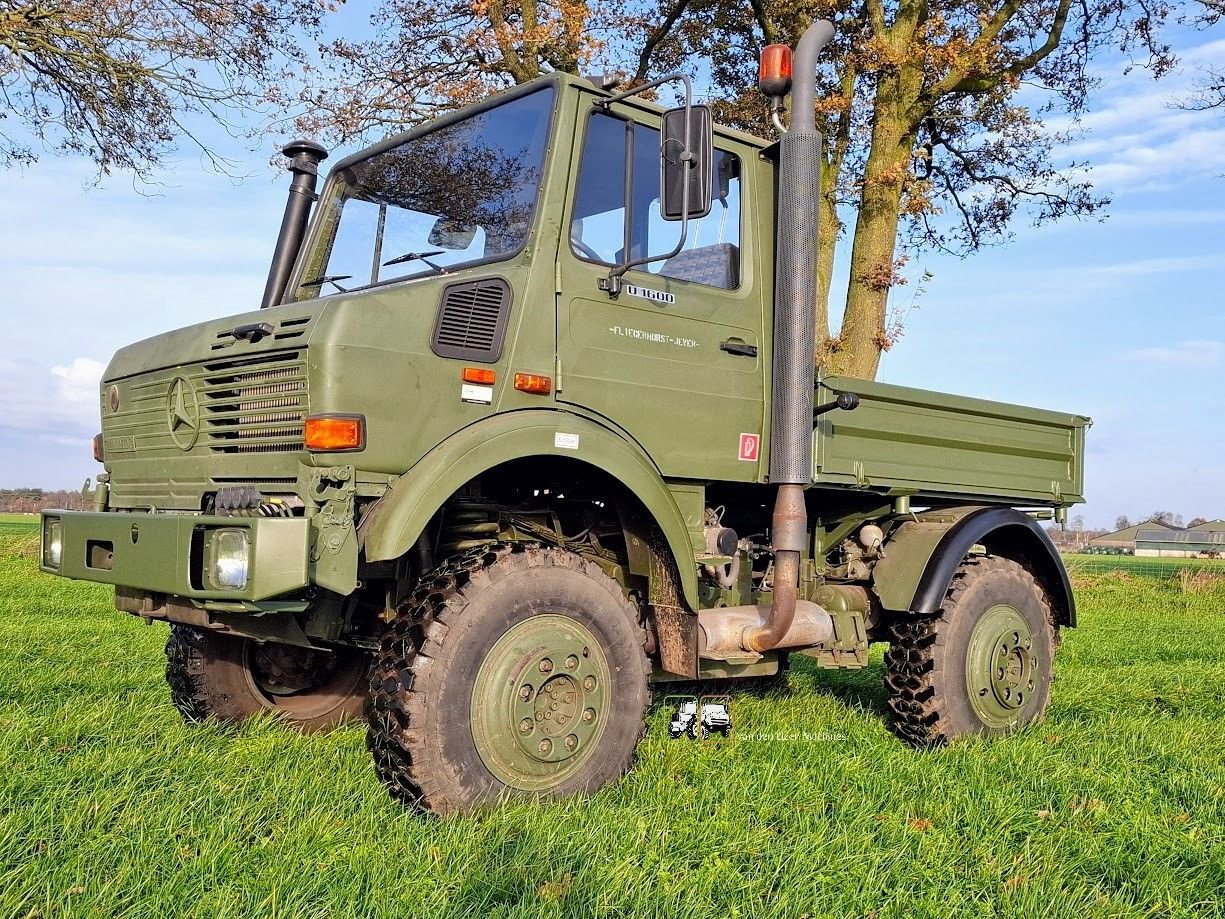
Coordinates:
(736, 346)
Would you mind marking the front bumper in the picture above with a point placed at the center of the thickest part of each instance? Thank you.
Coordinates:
(164, 553)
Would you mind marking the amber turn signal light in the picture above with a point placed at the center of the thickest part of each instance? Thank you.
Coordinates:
(774, 71)
(333, 433)
(533, 383)
(481, 375)
(98, 454)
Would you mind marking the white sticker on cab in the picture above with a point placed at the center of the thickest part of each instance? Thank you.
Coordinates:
(565, 441)
(482, 394)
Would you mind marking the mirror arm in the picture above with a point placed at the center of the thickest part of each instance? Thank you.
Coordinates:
(612, 283)
(659, 81)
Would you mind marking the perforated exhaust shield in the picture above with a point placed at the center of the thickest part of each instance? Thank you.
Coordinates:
(795, 298)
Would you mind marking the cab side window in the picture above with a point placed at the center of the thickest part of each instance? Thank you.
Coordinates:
(617, 208)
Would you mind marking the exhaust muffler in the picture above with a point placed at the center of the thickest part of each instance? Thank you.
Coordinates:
(728, 633)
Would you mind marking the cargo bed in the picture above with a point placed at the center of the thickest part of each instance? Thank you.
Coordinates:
(934, 445)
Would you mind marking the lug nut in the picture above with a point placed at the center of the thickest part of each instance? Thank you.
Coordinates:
(545, 745)
(589, 683)
(546, 666)
(526, 693)
(571, 741)
(571, 662)
(589, 715)
(525, 726)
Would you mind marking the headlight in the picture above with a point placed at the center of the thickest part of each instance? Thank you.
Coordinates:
(53, 542)
(226, 558)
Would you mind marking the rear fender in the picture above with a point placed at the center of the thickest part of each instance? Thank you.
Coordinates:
(922, 556)
(395, 522)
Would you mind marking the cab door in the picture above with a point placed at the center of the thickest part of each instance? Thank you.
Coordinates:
(676, 359)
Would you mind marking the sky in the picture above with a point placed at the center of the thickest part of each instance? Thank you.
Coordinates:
(1122, 320)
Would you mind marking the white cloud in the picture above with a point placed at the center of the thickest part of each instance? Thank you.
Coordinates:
(1171, 264)
(78, 382)
(1138, 139)
(1174, 157)
(50, 403)
(1197, 354)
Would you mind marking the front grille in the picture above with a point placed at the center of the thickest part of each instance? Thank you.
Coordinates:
(254, 404)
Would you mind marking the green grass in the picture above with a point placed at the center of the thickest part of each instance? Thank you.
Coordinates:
(1115, 806)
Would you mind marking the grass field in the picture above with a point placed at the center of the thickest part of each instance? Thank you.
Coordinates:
(1142, 564)
(1115, 806)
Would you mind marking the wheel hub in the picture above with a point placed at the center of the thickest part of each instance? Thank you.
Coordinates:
(280, 670)
(540, 702)
(302, 683)
(1000, 665)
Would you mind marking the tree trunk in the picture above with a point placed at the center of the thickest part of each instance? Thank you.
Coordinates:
(864, 333)
(827, 246)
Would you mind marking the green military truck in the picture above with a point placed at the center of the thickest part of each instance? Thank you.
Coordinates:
(529, 421)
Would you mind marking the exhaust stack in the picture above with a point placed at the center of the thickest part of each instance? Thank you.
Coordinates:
(304, 159)
(795, 304)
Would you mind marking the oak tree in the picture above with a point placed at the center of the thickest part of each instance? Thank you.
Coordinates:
(123, 81)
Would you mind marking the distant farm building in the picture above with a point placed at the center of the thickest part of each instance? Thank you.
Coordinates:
(1152, 542)
(1212, 526)
(1123, 542)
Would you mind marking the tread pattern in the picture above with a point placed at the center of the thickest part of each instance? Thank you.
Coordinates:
(914, 677)
(184, 664)
(408, 766)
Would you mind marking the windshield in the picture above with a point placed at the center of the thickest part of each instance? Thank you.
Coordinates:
(461, 194)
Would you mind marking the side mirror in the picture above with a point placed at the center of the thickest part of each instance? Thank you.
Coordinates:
(449, 233)
(679, 172)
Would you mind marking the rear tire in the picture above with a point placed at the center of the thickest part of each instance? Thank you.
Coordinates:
(228, 678)
(513, 671)
(982, 665)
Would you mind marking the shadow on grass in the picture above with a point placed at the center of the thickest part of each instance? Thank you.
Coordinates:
(863, 690)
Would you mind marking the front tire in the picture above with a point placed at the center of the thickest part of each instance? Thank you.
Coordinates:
(228, 678)
(982, 665)
(514, 671)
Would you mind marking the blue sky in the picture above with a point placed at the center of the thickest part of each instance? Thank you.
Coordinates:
(1123, 320)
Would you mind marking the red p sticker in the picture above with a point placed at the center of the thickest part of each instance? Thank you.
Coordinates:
(748, 447)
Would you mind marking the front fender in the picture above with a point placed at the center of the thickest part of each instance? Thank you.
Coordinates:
(922, 556)
(396, 521)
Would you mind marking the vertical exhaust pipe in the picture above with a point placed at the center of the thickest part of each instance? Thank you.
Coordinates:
(304, 159)
(795, 305)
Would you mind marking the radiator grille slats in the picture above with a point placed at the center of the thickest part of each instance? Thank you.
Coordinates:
(472, 320)
(255, 404)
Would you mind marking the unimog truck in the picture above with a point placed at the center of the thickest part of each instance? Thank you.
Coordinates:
(527, 422)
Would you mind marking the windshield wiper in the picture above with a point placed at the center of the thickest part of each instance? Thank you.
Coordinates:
(416, 257)
(328, 279)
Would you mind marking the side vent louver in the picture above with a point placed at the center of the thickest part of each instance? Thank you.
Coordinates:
(472, 320)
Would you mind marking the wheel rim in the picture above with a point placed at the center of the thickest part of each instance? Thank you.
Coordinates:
(1001, 666)
(540, 702)
(301, 683)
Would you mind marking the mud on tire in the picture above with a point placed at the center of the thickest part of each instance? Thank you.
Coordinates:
(981, 665)
(437, 749)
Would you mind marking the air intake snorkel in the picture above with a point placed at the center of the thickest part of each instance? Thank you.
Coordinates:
(304, 159)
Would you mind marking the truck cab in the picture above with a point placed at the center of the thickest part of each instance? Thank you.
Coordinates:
(506, 350)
